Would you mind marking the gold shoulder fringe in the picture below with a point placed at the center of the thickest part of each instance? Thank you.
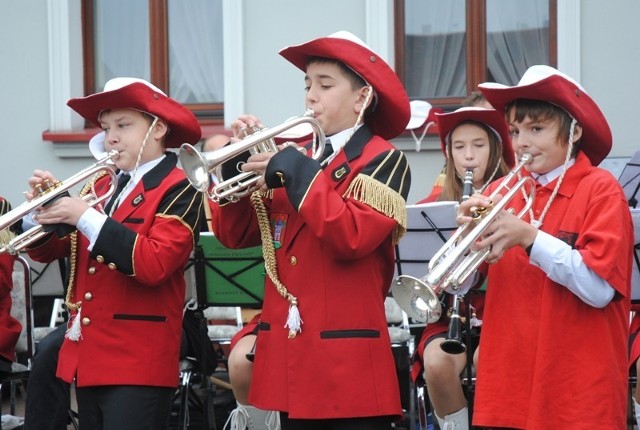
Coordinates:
(382, 198)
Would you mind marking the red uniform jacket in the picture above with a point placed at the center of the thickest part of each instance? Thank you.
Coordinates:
(10, 327)
(131, 284)
(335, 253)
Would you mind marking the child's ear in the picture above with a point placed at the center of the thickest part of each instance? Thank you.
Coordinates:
(160, 130)
(577, 133)
(362, 99)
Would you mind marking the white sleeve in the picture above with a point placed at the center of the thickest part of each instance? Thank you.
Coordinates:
(564, 265)
(90, 224)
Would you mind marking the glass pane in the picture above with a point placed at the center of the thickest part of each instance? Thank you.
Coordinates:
(195, 51)
(517, 38)
(435, 48)
(121, 40)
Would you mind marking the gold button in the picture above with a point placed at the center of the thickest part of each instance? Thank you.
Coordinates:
(88, 296)
(112, 266)
(92, 270)
(86, 321)
(100, 259)
(293, 260)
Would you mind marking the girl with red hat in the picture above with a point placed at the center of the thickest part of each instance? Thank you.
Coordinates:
(472, 139)
(554, 344)
(328, 229)
(126, 288)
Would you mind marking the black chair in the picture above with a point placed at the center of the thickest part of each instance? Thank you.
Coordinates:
(21, 310)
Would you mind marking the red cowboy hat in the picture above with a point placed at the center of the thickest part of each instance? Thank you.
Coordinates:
(546, 84)
(391, 113)
(447, 122)
(138, 94)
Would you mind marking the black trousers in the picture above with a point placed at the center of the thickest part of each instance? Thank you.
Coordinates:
(48, 398)
(364, 423)
(124, 407)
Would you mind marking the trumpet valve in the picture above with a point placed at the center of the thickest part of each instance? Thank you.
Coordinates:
(479, 212)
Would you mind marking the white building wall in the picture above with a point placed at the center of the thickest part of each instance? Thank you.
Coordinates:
(270, 87)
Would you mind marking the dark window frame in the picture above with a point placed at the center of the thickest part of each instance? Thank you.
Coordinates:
(159, 56)
(476, 45)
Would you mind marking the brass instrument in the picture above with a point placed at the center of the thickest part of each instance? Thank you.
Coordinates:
(197, 165)
(453, 344)
(454, 262)
(49, 195)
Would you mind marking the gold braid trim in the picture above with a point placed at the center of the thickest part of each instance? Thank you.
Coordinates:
(73, 250)
(6, 236)
(385, 200)
(269, 252)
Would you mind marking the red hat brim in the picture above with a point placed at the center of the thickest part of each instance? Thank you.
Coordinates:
(596, 140)
(392, 111)
(183, 125)
(447, 122)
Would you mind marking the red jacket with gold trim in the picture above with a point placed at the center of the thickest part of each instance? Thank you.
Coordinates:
(334, 231)
(131, 285)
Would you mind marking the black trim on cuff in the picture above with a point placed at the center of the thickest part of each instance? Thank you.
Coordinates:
(293, 170)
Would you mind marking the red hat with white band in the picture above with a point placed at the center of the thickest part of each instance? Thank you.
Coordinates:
(546, 84)
(138, 94)
(391, 114)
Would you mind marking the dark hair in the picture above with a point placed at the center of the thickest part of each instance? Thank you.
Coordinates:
(356, 80)
(452, 187)
(475, 98)
(538, 110)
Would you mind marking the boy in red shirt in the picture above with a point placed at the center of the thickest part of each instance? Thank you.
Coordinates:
(554, 343)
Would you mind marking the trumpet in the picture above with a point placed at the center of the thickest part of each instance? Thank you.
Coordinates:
(197, 166)
(48, 196)
(454, 262)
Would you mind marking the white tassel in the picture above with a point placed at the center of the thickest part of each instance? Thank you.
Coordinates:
(294, 322)
(74, 332)
(273, 420)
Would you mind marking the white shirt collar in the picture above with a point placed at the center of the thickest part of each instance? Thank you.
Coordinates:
(552, 175)
(340, 139)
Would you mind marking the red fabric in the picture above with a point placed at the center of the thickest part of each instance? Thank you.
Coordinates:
(547, 359)
(135, 325)
(249, 328)
(10, 327)
(335, 258)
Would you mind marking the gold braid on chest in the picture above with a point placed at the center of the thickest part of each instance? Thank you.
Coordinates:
(73, 250)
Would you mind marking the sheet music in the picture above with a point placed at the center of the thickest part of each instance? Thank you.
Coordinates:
(429, 226)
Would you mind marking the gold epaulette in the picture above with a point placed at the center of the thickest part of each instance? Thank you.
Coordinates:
(385, 200)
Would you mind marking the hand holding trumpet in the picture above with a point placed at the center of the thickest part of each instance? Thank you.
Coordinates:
(504, 232)
(244, 126)
(62, 210)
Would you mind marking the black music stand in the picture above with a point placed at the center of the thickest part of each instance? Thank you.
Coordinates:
(630, 180)
(228, 277)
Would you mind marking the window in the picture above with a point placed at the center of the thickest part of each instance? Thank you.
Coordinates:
(444, 49)
(174, 44)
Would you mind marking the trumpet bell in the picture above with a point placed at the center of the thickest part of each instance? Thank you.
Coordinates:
(195, 167)
(418, 300)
